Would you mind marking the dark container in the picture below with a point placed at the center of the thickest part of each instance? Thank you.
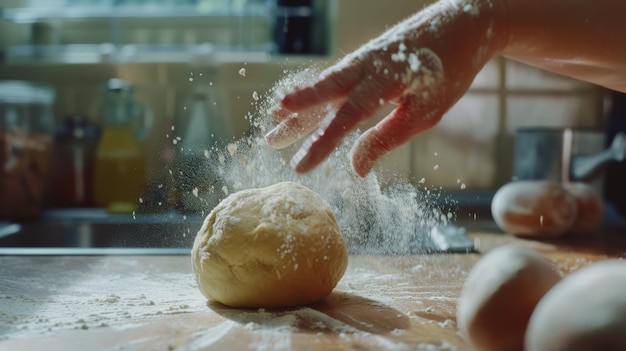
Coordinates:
(293, 27)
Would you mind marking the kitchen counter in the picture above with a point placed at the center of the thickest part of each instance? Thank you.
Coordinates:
(153, 303)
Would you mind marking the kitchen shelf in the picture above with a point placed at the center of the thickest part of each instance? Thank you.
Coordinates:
(131, 53)
(124, 32)
(33, 14)
(121, 38)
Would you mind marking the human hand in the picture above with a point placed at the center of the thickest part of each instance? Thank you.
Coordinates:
(424, 65)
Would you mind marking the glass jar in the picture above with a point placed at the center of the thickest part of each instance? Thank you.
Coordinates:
(26, 144)
(197, 155)
(120, 168)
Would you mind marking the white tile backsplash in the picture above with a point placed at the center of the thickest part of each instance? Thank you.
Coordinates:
(566, 110)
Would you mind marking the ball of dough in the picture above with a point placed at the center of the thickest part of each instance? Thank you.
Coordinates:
(585, 311)
(271, 247)
(499, 296)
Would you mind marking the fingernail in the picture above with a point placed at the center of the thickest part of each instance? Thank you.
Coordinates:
(274, 140)
(362, 167)
(361, 164)
(279, 138)
(270, 136)
(362, 170)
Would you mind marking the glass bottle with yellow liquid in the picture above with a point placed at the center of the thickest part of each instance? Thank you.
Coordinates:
(120, 169)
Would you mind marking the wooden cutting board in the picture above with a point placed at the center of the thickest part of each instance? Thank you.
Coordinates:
(153, 303)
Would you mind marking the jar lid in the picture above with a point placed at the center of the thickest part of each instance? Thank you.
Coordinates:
(118, 85)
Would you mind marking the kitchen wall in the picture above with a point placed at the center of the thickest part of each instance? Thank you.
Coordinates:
(471, 149)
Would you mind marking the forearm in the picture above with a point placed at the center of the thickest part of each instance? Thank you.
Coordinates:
(427, 62)
(584, 39)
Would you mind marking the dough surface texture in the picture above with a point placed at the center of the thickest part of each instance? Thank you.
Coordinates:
(271, 247)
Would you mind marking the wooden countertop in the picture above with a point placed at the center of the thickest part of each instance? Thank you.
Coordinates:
(153, 303)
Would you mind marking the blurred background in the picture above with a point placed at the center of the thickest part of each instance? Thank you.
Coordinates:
(104, 78)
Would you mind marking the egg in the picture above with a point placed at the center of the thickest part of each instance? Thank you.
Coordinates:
(499, 296)
(590, 206)
(585, 311)
(531, 208)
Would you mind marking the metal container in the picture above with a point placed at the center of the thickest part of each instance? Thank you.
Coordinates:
(565, 154)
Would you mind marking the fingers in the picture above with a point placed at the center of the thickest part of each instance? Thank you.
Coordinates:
(278, 113)
(292, 129)
(297, 125)
(358, 107)
(333, 85)
(408, 120)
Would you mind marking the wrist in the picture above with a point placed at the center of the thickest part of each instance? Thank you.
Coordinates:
(475, 31)
(500, 31)
(489, 26)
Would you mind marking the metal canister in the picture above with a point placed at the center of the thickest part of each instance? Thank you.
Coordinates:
(565, 154)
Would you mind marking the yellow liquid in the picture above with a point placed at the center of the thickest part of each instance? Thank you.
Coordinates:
(120, 171)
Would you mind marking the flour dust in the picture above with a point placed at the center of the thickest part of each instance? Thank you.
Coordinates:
(374, 219)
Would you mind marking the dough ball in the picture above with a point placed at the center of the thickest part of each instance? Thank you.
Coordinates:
(499, 296)
(590, 206)
(534, 208)
(585, 311)
(270, 247)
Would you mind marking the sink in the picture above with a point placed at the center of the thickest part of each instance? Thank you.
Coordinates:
(84, 234)
(94, 231)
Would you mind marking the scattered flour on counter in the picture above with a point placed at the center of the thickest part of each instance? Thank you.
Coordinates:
(448, 323)
(274, 330)
(393, 289)
(211, 337)
(66, 295)
(62, 296)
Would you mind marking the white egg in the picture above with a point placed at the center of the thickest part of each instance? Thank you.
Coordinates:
(532, 208)
(499, 296)
(585, 311)
(590, 206)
